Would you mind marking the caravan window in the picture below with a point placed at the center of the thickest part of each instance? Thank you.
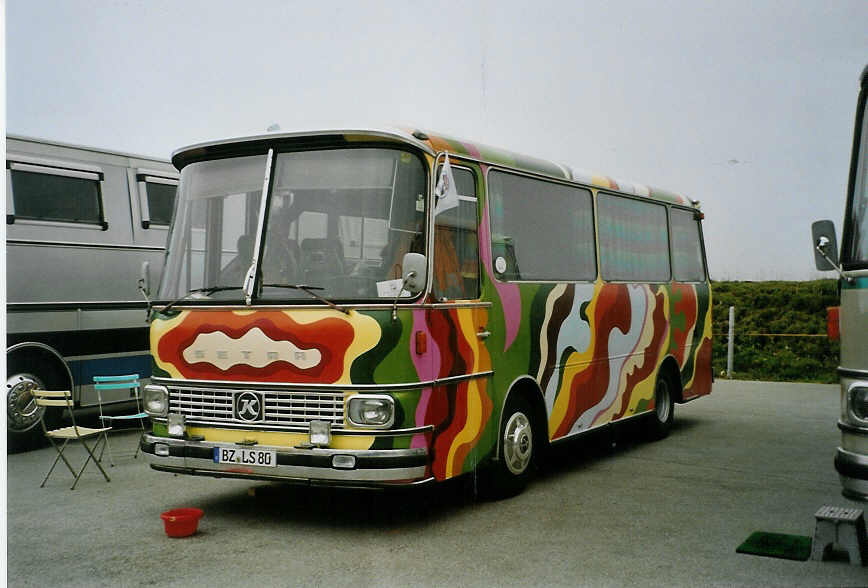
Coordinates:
(56, 194)
(156, 199)
(161, 201)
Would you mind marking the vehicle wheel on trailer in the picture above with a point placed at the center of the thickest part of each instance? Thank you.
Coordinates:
(659, 421)
(22, 415)
(518, 445)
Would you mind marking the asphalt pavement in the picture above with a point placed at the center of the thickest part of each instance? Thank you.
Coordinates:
(606, 510)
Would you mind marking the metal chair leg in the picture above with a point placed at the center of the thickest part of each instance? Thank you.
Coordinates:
(139, 442)
(91, 456)
(56, 459)
(107, 444)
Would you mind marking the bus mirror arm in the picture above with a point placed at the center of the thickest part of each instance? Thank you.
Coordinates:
(144, 292)
(407, 276)
(821, 246)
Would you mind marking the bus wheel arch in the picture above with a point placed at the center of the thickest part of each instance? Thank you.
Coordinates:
(29, 366)
(673, 372)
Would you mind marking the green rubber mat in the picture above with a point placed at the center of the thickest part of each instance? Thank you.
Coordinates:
(795, 547)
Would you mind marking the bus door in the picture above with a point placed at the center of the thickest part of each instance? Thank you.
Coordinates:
(460, 408)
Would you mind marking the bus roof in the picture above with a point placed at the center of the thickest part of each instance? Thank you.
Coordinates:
(432, 144)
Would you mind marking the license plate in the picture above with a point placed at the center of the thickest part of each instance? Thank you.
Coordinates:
(244, 456)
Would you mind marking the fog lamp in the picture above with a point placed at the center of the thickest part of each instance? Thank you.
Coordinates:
(371, 411)
(156, 400)
(320, 433)
(161, 449)
(344, 462)
(177, 425)
(859, 402)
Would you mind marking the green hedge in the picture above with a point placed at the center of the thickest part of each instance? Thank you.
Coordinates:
(797, 308)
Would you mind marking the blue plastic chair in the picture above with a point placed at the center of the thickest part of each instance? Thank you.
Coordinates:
(126, 382)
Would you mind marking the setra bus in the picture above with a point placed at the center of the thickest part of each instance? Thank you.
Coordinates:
(851, 459)
(84, 225)
(372, 307)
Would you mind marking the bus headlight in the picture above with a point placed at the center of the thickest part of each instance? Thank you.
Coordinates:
(156, 400)
(859, 401)
(371, 411)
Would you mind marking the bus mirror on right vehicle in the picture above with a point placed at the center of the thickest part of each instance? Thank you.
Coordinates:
(415, 268)
(825, 245)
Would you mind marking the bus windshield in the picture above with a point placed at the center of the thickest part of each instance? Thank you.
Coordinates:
(857, 252)
(338, 221)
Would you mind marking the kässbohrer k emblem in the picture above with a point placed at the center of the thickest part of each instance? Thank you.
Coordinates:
(249, 406)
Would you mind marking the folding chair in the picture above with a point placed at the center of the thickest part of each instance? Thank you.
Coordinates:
(126, 382)
(63, 398)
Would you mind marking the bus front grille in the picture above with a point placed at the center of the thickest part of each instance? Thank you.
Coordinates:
(281, 408)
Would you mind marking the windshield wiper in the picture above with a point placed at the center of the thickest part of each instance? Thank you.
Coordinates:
(309, 290)
(208, 290)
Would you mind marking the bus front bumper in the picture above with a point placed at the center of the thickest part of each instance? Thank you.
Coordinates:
(851, 461)
(386, 467)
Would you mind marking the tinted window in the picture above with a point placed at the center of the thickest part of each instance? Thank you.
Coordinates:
(687, 263)
(161, 202)
(633, 240)
(52, 197)
(540, 230)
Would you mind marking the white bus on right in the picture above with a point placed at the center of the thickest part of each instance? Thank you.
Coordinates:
(851, 460)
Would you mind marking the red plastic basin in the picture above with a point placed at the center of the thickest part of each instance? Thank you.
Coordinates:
(181, 522)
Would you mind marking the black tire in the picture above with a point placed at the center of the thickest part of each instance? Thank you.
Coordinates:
(25, 373)
(659, 421)
(518, 445)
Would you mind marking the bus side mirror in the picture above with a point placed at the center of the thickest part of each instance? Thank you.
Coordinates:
(414, 271)
(825, 245)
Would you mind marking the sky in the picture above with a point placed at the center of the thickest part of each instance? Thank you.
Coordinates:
(747, 106)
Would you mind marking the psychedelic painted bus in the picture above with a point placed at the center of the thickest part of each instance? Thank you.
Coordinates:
(390, 307)
(851, 458)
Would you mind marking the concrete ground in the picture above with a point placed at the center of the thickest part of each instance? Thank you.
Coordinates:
(608, 510)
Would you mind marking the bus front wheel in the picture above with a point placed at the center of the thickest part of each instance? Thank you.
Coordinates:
(26, 374)
(510, 474)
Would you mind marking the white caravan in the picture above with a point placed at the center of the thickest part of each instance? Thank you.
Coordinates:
(84, 227)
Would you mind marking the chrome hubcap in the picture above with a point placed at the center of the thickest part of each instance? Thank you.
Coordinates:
(517, 443)
(21, 410)
(661, 401)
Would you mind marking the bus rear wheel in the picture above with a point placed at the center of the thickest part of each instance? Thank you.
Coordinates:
(517, 444)
(660, 420)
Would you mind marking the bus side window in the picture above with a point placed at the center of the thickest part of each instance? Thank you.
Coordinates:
(456, 255)
(634, 240)
(687, 263)
(540, 230)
